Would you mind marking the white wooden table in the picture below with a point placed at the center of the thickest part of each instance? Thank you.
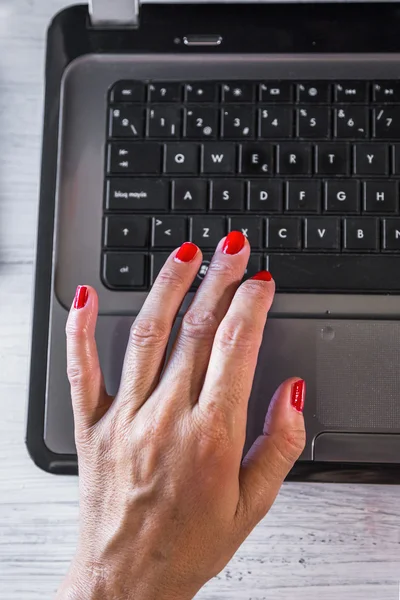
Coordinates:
(319, 541)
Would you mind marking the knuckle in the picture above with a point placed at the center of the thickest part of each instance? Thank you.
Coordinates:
(76, 331)
(148, 331)
(171, 278)
(199, 323)
(289, 444)
(222, 269)
(212, 430)
(237, 333)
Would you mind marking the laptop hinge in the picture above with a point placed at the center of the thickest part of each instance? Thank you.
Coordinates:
(115, 14)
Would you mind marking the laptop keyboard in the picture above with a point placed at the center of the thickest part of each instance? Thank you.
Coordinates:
(309, 171)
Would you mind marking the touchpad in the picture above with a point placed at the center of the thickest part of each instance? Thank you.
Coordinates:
(357, 448)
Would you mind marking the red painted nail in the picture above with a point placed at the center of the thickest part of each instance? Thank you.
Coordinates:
(186, 252)
(298, 395)
(234, 242)
(81, 296)
(262, 276)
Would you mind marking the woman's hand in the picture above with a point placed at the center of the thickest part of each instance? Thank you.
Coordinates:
(166, 498)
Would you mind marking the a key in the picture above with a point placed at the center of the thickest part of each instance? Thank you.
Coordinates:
(227, 195)
(127, 121)
(322, 233)
(283, 233)
(380, 197)
(303, 196)
(182, 159)
(361, 234)
(237, 92)
(313, 122)
(124, 270)
(257, 159)
(391, 236)
(164, 122)
(351, 92)
(201, 122)
(128, 91)
(127, 232)
(165, 92)
(371, 159)
(207, 231)
(219, 158)
(386, 122)
(342, 196)
(238, 122)
(201, 92)
(251, 227)
(134, 157)
(386, 92)
(265, 196)
(294, 159)
(351, 122)
(169, 232)
(332, 159)
(189, 195)
(313, 92)
(276, 92)
(137, 194)
(275, 122)
(335, 273)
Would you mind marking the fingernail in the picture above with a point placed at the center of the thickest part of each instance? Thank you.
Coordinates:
(298, 395)
(81, 296)
(234, 242)
(186, 252)
(262, 276)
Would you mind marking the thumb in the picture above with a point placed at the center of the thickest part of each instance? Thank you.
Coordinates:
(273, 454)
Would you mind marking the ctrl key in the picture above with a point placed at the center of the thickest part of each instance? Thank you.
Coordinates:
(124, 270)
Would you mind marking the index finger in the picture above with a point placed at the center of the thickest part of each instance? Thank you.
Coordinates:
(234, 355)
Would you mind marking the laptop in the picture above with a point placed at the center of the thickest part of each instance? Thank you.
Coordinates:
(172, 122)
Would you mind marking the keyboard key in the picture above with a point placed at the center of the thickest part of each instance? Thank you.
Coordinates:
(255, 265)
(283, 233)
(361, 234)
(157, 261)
(322, 233)
(137, 194)
(386, 122)
(227, 195)
(386, 92)
(391, 236)
(190, 195)
(303, 196)
(371, 159)
(294, 159)
(238, 122)
(313, 122)
(207, 231)
(251, 227)
(219, 158)
(265, 196)
(164, 122)
(380, 197)
(122, 232)
(396, 159)
(342, 196)
(351, 91)
(124, 270)
(275, 122)
(351, 122)
(201, 122)
(182, 159)
(257, 159)
(134, 157)
(127, 121)
(335, 273)
(169, 232)
(237, 92)
(202, 272)
(165, 92)
(128, 91)
(201, 92)
(332, 159)
(276, 92)
(313, 92)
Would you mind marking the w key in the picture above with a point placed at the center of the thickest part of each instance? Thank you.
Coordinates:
(219, 158)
